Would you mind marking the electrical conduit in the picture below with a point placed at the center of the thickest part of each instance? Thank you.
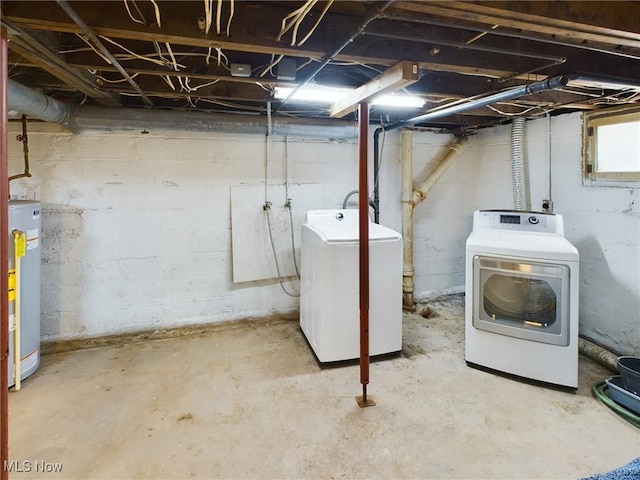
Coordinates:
(410, 198)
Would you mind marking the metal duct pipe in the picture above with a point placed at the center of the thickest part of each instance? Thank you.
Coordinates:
(517, 164)
(510, 94)
(463, 106)
(84, 117)
(92, 118)
(36, 105)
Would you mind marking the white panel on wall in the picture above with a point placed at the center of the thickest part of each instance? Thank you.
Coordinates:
(251, 245)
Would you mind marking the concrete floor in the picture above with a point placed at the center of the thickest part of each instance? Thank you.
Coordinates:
(251, 402)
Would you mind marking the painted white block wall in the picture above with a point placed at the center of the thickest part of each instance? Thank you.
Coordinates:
(136, 227)
(603, 222)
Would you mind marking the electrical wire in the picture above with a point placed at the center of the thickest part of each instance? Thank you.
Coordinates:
(157, 11)
(284, 28)
(173, 58)
(208, 7)
(218, 15)
(506, 114)
(316, 24)
(271, 65)
(98, 52)
(298, 22)
(600, 390)
(106, 80)
(126, 5)
(134, 54)
(232, 6)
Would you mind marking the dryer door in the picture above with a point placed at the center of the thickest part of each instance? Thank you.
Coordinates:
(521, 299)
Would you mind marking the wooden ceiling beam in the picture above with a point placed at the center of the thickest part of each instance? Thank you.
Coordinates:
(470, 12)
(33, 50)
(40, 24)
(400, 75)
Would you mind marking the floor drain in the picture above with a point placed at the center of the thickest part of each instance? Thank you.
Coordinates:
(429, 312)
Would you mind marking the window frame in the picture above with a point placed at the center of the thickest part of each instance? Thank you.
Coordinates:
(600, 118)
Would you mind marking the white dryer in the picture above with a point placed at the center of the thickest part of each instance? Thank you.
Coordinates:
(329, 288)
(522, 297)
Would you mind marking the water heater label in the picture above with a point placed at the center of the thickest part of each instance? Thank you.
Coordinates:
(12, 285)
(32, 238)
(12, 322)
(35, 214)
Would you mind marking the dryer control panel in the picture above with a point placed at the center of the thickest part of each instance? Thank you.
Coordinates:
(519, 221)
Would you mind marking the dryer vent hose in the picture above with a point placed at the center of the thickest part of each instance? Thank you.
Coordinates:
(517, 163)
(599, 354)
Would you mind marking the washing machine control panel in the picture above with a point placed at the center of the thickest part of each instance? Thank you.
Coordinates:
(508, 220)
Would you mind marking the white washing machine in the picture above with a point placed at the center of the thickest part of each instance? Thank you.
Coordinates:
(329, 289)
(522, 297)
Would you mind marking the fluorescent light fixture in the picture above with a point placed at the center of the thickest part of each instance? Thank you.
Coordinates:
(395, 100)
(312, 93)
(328, 95)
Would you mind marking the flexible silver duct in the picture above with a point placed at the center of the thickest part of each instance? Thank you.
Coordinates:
(83, 117)
(599, 354)
(517, 163)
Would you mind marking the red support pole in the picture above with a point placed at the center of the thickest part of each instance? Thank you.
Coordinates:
(363, 205)
(4, 265)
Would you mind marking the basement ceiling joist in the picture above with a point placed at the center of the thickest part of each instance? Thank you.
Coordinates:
(463, 49)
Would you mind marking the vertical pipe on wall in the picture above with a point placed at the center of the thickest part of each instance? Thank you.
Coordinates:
(412, 197)
(406, 159)
(363, 206)
(4, 264)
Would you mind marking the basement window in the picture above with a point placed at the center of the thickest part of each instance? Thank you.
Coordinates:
(612, 146)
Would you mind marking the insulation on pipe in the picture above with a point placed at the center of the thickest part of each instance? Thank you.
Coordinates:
(86, 117)
(517, 163)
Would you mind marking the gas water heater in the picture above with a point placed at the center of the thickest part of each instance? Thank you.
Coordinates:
(24, 289)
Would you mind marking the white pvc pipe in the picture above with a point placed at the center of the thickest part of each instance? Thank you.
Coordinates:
(406, 159)
(410, 198)
(455, 149)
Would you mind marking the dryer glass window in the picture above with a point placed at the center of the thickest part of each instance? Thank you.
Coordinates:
(527, 300)
(520, 299)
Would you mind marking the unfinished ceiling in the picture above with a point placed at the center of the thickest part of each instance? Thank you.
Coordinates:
(229, 56)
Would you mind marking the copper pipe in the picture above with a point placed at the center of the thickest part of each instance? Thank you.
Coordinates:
(363, 206)
(4, 265)
(25, 150)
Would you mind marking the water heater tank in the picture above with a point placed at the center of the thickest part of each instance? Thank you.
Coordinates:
(24, 216)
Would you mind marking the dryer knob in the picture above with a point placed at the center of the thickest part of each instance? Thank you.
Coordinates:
(534, 220)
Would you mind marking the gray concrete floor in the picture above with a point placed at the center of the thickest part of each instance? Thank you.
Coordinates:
(251, 402)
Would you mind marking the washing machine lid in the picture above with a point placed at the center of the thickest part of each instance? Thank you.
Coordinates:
(336, 226)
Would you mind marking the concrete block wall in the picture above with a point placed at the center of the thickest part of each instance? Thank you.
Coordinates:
(136, 227)
(603, 222)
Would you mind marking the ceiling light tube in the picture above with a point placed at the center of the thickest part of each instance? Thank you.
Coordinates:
(328, 95)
